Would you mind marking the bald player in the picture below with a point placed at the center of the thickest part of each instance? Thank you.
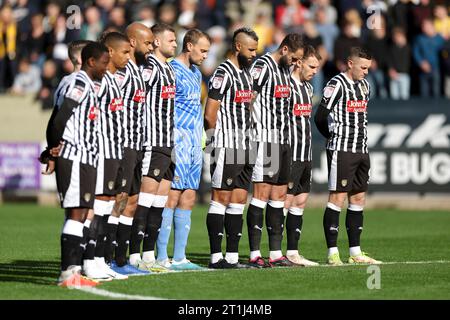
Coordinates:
(132, 88)
(227, 123)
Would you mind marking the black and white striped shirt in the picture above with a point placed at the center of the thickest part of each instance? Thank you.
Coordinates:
(233, 88)
(62, 88)
(161, 87)
(134, 109)
(347, 122)
(301, 107)
(272, 105)
(111, 116)
(80, 134)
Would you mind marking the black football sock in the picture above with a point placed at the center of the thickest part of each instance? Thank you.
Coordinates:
(331, 224)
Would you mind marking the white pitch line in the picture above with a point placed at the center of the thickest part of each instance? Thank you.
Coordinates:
(109, 294)
(115, 295)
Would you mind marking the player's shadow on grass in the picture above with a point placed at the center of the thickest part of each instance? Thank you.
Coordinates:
(30, 271)
(204, 258)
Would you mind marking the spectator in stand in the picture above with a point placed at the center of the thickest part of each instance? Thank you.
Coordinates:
(313, 38)
(50, 82)
(146, 15)
(53, 11)
(419, 12)
(58, 40)
(377, 44)
(329, 12)
(93, 26)
(442, 21)
(278, 35)
(8, 48)
(354, 18)
(35, 48)
(426, 52)
(216, 50)
(105, 7)
(263, 28)
(446, 68)
(28, 80)
(343, 43)
(329, 32)
(117, 19)
(398, 14)
(290, 15)
(399, 62)
(167, 13)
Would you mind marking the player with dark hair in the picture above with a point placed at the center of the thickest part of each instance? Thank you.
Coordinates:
(228, 125)
(74, 52)
(188, 129)
(271, 116)
(110, 154)
(75, 128)
(342, 119)
(158, 164)
(300, 177)
(132, 86)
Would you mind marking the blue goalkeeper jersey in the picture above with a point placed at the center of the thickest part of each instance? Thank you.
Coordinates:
(188, 118)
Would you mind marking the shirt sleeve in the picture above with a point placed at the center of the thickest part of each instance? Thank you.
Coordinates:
(332, 93)
(218, 85)
(260, 75)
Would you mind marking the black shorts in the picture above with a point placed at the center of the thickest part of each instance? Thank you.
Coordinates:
(108, 173)
(76, 183)
(231, 168)
(129, 177)
(300, 177)
(273, 161)
(158, 164)
(347, 171)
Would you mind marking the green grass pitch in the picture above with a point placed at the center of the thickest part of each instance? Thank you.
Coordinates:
(29, 261)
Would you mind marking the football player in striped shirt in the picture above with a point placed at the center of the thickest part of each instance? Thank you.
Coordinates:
(228, 124)
(74, 52)
(299, 184)
(342, 118)
(158, 165)
(188, 129)
(75, 127)
(110, 155)
(271, 117)
(132, 86)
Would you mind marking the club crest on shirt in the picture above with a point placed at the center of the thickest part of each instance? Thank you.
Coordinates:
(156, 172)
(344, 182)
(290, 185)
(229, 181)
(256, 72)
(76, 93)
(146, 74)
(110, 185)
(364, 88)
(176, 178)
(328, 91)
(217, 82)
(124, 182)
(94, 112)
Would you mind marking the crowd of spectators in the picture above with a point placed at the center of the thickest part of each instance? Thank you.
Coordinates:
(409, 39)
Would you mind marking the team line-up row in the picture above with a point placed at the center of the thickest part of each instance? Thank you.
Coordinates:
(125, 141)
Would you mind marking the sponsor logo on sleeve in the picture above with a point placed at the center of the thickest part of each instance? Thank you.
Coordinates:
(217, 82)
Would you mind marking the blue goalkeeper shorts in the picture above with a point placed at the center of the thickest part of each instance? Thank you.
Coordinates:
(188, 169)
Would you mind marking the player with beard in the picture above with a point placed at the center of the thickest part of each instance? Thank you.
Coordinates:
(158, 164)
(188, 122)
(132, 87)
(300, 178)
(271, 116)
(228, 124)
